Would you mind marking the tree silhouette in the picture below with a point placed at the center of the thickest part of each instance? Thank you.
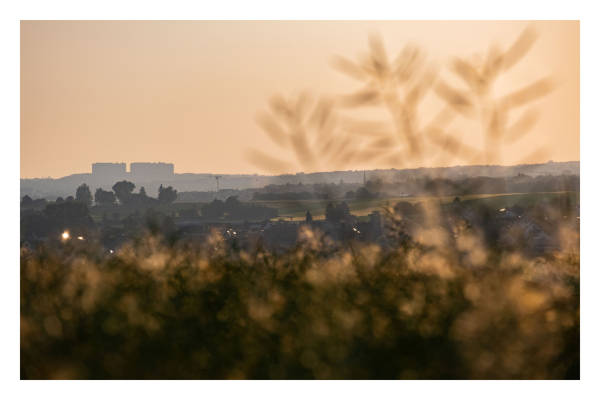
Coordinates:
(26, 201)
(308, 216)
(69, 215)
(123, 189)
(104, 197)
(214, 209)
(166, 194)
(343, 211)
(330, 213)
(83, 195)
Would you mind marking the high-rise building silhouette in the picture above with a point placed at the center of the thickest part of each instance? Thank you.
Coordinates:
(109, 168)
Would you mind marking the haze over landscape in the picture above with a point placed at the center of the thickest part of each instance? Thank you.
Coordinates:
(300, 200)
(187, 92)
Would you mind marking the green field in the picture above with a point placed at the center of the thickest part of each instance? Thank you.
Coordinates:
(359, 207)
(363, 207)
(522, 199)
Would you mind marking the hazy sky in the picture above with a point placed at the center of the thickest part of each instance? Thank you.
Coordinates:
(188, 92)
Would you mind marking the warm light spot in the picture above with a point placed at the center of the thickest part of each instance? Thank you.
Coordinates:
(503, 209)
(80, 238)
(65, 235)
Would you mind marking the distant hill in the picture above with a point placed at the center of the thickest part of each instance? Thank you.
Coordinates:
(66, 186)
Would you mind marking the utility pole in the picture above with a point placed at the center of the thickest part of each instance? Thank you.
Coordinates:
(217, 177)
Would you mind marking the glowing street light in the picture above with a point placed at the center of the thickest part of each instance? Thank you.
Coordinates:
(65, 235)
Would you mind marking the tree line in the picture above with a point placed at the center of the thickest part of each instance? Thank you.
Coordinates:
(424, 186)
(122, 193)
(338, 213)
(289, 196)
(232, 207)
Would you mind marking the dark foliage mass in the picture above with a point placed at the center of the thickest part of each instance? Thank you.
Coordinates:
(123, 189)
(363, 193)
(431, 310)
(232, 206)
(26, 201)
(191, 213)
(308, 216)
(214, 209)
(139, 198)
(166, 194)
(338, 213)
(103, 197)
(288, 196)
(437, 298)
(424, 186)
(57, 218)
(84, 195)
(483, 185)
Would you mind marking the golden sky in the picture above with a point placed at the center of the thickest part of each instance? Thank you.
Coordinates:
(188, 92)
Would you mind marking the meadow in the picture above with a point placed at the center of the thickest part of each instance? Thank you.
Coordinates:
(523, 199)
(364, 207)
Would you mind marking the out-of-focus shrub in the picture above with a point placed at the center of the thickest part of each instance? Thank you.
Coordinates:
(432, 308)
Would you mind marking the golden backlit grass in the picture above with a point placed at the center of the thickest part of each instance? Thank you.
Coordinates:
(439, 307)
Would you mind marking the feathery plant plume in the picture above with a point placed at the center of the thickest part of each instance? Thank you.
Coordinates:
(322, 134)
(398, 86)
(479, 102)
(304, 126)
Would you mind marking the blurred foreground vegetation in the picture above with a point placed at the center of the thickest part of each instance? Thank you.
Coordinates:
(439, 306)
